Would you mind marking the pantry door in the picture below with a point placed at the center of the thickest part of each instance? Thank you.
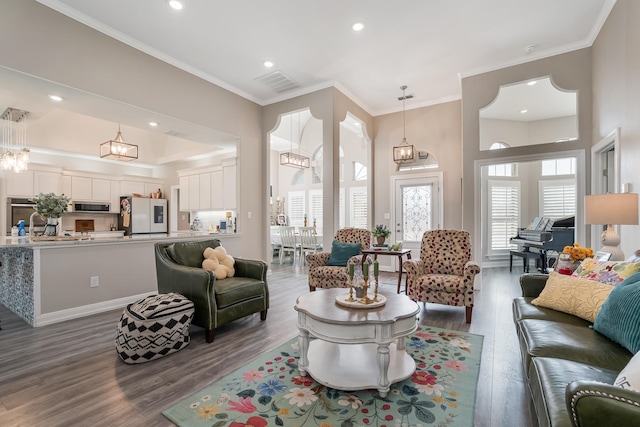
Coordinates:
(417, 208)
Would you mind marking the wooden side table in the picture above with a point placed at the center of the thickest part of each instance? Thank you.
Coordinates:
(400, 253)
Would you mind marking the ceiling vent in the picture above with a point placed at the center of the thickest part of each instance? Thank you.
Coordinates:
(278, 81)
(176, 134)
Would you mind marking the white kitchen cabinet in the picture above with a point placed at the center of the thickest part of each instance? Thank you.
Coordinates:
(128, 188)
(230, 184)
(194, 192)
(81, 188)
(66, 185)
(217, 190)
(153, 187)
(46, 182)
(100, 190)
(115, 197)
(205, 190)
(19, 184)
(184, 193)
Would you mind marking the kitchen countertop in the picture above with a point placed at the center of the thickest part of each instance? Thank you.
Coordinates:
(26, 242)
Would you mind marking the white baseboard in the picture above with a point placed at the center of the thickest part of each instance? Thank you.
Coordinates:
(86, 310)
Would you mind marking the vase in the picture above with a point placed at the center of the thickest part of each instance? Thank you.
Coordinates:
(380, 239)
(566, 265)
(51, 228)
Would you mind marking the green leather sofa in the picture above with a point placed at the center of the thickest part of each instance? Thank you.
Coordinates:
(569, 367)
(216, 302)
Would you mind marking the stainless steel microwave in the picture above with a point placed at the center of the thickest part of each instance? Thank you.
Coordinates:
(21, 209)
(90, 207)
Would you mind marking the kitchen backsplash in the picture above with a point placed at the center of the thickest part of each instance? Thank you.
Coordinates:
(101, 222)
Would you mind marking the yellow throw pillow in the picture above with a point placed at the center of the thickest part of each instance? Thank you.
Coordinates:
(573, 295)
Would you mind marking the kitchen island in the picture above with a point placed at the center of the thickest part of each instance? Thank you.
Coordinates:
(47, 282)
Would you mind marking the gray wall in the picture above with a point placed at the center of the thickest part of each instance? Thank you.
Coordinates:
(49, 45)
(571, 71)
(616, 95)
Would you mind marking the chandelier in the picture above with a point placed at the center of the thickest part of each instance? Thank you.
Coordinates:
(404, 153)
(117, 149)
(290, 158)
(15, 154)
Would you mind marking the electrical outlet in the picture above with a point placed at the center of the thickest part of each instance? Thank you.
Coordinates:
(249, 214)
(387, 216)
(95, 281)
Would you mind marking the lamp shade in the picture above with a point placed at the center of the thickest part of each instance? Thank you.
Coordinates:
(605, 209)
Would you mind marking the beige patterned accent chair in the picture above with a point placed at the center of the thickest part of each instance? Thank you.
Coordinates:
(322, 275)
(444, 273)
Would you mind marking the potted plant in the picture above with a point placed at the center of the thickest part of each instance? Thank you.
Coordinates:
(51, 207)
(381, 232)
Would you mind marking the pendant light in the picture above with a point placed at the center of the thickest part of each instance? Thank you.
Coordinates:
(15, 154)
(404, 153)
(117, 149)
(290, 158)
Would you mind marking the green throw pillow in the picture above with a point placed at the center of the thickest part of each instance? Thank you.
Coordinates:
(619, 316)
(341, 252)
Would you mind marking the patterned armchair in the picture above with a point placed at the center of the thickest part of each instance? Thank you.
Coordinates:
(322, 275)
(443, 274)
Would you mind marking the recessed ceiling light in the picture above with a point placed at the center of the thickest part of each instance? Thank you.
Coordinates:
(358, 26)
(268, 64)
(177, 5)
(532, 82)
(153, 124)
(523, 111)
(56, 98)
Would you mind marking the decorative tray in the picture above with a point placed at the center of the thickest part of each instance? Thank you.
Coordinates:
(343, 299)
(56, 238)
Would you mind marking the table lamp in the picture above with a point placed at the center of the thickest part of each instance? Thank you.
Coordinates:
(610, 209)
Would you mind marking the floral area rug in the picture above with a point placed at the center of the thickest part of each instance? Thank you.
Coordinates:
(269, 391)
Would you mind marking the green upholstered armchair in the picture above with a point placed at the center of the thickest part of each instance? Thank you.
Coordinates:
(179, 269)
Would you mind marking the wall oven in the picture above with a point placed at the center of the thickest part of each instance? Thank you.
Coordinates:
(17, 209)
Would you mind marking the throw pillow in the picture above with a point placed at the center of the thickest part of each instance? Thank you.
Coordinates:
(619, 317)
(609, 272)
(579, 297)
(219, 262)
(629, 377)
(341, 252)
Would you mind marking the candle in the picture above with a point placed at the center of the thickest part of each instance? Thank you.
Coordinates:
(305, 216)
(351, 270)
(365, 269)
(375, 267)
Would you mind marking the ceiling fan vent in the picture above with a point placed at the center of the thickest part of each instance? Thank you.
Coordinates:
(278, 81)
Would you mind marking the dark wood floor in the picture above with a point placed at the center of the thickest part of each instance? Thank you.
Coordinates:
(68, 374)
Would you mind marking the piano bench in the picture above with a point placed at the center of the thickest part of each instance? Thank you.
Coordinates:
(525, 255)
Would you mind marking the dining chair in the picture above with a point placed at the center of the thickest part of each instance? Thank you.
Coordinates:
(308, 242)
(288, 242)
(276, 244)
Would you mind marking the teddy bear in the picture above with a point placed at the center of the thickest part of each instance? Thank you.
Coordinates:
(219, 262)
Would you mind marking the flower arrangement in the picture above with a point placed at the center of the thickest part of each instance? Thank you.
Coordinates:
(50, 205)
(577, 252)
(381, 231)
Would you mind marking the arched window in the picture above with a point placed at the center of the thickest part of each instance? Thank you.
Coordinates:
(359, 171)
(498, 145)
(298, 178)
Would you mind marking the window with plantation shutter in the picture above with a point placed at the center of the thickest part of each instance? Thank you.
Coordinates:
(358, 207)
(504, 214)
(296, 208)
(557, 198)
(315, 209)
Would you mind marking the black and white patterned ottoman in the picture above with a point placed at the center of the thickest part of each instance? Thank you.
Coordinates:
(154, 327)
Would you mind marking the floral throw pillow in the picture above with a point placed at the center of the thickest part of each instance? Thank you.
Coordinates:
(608, 272)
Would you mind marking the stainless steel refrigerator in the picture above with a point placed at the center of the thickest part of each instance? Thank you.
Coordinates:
(141, 215)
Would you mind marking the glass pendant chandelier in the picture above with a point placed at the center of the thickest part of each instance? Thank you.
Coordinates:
(404, 153)
(15, 154)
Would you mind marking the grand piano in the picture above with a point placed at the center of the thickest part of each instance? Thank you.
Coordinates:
(536, 243)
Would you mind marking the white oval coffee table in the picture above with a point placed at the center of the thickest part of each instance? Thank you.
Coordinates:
(356, 348)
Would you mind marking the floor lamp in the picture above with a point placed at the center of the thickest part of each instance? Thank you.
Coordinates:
(610, 209)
